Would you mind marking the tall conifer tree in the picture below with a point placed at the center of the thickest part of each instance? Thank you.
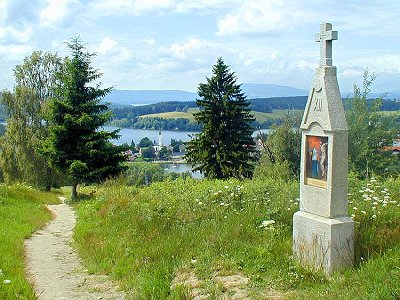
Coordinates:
(225, 147)
(76, 145)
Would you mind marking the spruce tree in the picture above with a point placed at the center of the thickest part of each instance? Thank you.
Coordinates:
(225, 147)
(76, 144)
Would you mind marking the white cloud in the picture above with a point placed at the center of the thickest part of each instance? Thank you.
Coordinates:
(135, 7)
(12, 54)
(185, 6)
(107, 46)
(182, 50)
(2, 10)
(351, 73)
(150, 41)
(56, 11)
(110, 50)
(20, 36)
(262, 16)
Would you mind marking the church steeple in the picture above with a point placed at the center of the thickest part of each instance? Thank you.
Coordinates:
(160, 138)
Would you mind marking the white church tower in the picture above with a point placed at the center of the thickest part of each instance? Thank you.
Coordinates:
(160, 139)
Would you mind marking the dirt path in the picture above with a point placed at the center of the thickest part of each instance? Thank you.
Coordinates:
(54, 267)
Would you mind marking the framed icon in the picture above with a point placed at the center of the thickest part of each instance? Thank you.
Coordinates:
(316, 160)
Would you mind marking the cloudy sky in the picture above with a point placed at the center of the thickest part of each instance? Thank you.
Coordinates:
(172, 44)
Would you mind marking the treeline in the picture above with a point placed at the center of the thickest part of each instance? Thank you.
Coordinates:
(129, 117)
(269, 104)
(260, 104)
(387, 105)
(130, 112)
(157, 123)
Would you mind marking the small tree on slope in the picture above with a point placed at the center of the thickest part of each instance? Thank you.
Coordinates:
(76, 145)
(225, 147)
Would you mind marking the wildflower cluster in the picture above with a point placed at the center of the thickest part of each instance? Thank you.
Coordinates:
(267, 224)
(5, 281)
(370, 202)
(230, 195)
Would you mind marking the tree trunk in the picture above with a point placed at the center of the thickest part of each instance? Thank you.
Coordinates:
(49, 179)
(74, 194)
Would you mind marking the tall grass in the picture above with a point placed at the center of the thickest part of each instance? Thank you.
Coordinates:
(22, 212)
(145, 236)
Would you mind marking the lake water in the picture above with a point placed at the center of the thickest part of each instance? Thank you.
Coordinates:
(181, 168)
(128, 134)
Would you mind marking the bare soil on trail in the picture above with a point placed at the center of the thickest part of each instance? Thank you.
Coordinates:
(54, 268)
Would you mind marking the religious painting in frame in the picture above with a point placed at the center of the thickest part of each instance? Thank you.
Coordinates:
(316, 160)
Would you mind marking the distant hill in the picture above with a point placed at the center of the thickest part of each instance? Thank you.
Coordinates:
(143, 97)
(392, 95)
(257, 90)
(252, 91)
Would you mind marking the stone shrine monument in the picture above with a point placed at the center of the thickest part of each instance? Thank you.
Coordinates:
(323, 235)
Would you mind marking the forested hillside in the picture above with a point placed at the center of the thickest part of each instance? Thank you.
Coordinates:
(130, 116)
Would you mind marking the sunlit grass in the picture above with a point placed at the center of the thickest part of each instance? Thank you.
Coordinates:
(260, 116)
(145, 236)
(22, 212)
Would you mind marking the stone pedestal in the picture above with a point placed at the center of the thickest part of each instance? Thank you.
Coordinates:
(323, 243)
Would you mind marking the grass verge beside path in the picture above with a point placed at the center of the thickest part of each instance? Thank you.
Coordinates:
(22, 212)
(147, 238)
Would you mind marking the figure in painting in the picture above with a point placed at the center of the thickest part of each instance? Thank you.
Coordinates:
(323, 160)
(314, 163)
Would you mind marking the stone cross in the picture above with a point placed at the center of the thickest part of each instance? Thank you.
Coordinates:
(326, 36)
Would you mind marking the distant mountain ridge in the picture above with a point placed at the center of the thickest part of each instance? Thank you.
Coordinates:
(142, 97)
(260, 90)
(252, 91)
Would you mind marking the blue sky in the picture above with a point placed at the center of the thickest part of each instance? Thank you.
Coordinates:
(171, 44)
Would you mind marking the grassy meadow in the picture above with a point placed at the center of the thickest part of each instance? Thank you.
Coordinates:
(22, 212)
(260, 116)
(222, 239)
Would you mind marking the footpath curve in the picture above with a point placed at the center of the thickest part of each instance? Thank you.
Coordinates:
(54, 268)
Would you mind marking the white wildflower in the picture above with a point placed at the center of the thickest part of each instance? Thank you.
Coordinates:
(265, 224)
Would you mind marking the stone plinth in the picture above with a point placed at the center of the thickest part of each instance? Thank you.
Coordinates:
(323, 243)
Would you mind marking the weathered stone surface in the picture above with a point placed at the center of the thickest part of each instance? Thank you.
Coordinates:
(323, 243)
(323, 236)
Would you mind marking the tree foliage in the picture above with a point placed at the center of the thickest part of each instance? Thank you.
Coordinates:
(282, 145)
(225, 147)
(164, 153)
(76, 145)
(145, 142)
(369, 133)
(21, 158)
(148, 152)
